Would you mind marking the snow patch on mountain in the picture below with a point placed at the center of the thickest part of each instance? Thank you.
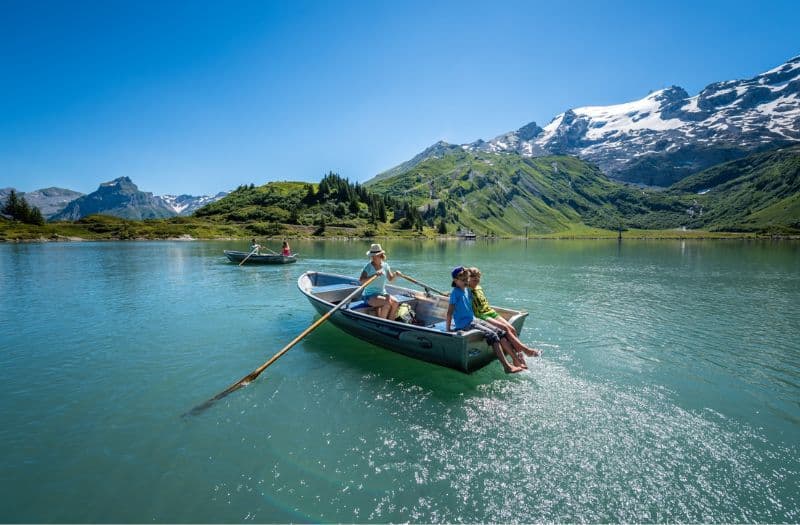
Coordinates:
(188, 204)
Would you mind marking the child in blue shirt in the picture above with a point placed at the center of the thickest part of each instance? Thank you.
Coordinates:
(459, 312)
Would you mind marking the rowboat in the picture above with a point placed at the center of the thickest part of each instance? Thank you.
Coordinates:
(277, 258)
(426, 338)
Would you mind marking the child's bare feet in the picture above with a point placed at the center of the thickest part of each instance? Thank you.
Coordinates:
(520, 361)
(513, 369)
(532, 352)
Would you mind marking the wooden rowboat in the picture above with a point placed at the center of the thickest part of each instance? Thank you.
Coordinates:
(426, 339)
(236, 257)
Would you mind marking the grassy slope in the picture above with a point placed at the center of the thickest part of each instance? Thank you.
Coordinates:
(502, 194)
(758, 193)
(507, 194)
(499, 193)
(267, 210)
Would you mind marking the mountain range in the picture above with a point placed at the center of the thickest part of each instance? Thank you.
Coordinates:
(664, 136)
(49, 200)
(120, 197)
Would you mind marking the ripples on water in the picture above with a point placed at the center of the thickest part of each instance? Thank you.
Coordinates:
(668, 391)
(545, 446)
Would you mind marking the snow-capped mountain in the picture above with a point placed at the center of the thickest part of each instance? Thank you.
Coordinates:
(668, 134)
(187, 204)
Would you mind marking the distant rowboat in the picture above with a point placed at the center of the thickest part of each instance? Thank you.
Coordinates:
(467, 235)
(426, 339)
(238, 257)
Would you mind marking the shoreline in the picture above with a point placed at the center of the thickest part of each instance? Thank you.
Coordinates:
(705, 236)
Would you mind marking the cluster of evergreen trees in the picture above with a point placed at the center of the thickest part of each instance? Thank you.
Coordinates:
(18, 209)
(349, 198)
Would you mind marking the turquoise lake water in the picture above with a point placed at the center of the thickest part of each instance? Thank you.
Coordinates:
(669, 389)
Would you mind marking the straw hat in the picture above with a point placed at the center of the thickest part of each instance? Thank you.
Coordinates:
(375, 249)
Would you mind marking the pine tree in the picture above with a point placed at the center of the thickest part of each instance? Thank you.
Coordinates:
(310, 197)
(35, 216)
(19, 210)
(382, 211)
(353, 206)
(12, 205)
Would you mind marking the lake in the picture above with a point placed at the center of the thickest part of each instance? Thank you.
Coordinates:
(669, 388)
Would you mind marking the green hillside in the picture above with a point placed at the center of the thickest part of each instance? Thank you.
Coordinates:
(282, 207)
(758, 193)
(506, 194)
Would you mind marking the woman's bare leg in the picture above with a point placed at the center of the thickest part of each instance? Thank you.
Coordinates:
(381, 304)
(393, 307)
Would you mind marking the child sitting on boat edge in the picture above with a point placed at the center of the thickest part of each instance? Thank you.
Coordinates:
(459, 313)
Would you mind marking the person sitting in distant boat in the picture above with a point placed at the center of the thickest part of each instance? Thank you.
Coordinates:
(254, 247)
(459, 313)
(482, 310)
(285, 250)
(375, 294)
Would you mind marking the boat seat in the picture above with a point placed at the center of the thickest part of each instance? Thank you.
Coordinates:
(355, 305)
(441, 326)
(333, 287)
(361, 303)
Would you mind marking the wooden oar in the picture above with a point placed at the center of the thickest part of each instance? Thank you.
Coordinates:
(248, 255)
(431, 288)
(246, 380)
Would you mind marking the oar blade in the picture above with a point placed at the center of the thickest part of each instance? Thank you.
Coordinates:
(255, 373)
(202, 407)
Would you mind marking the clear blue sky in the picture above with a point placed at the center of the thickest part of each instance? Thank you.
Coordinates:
(198, 97)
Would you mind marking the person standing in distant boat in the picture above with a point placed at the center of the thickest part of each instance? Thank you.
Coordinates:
(375, 294)
(254, 247)
(286, 251)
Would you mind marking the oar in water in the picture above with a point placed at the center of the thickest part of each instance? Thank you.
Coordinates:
(248, 255)
(425, 286)
(246, 380)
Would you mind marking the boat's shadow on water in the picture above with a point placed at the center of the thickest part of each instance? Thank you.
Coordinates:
(331, 347)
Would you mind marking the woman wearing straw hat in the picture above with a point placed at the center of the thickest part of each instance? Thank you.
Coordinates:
(375, 294)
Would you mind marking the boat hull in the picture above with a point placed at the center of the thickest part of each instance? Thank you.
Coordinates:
(238, 257)
(463, 351)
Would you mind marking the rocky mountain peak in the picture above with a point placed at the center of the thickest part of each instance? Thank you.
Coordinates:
(119, 197)
(120, 184)
(671, 94)
(529, 131)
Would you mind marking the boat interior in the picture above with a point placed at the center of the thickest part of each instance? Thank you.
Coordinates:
(429, 309)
